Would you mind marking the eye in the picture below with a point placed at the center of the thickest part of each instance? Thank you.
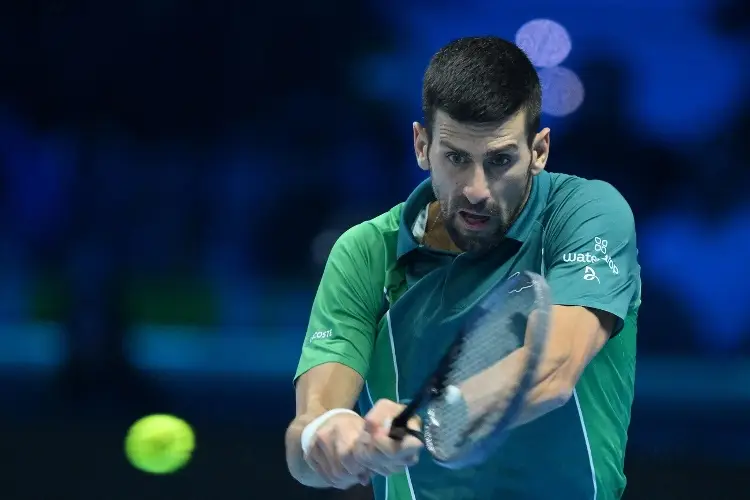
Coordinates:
(456, 158)
(500, 161)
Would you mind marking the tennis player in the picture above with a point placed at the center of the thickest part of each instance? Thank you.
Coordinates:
(395, 287)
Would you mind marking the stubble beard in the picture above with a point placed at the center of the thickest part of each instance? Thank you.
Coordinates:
(480, 243)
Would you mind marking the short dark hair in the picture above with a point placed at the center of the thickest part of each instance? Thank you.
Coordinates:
(482, 80)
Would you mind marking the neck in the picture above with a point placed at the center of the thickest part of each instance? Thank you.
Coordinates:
(520, 208)
(435, 235)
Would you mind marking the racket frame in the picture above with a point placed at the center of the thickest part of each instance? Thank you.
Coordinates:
(435, 385)
(431, 389)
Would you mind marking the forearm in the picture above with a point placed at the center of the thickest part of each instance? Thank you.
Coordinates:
(492, 390)
(576, 335)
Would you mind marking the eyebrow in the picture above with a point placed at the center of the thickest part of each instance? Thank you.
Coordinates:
(508, 148)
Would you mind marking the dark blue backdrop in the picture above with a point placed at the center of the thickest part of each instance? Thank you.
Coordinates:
(154, 154)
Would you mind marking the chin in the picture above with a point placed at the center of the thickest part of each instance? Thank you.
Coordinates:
(477, 242)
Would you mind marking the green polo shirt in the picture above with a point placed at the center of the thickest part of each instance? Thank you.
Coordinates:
(388, 306)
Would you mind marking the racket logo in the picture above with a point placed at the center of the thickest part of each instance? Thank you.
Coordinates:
(590, 275)
(600, 245)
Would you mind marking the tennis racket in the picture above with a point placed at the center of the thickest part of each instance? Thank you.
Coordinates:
(463, 422)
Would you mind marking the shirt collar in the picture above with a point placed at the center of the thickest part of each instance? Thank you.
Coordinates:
(415, 203)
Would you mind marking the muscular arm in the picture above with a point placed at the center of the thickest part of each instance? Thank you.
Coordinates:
(322, 388)
(576, 336)
(593, 219)
(331, 368)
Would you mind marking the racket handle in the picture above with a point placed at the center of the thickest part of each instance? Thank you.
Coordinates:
(399, 433)
(398, 428)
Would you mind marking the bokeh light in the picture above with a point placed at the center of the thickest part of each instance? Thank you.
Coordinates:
(562, 91)
(546, 42)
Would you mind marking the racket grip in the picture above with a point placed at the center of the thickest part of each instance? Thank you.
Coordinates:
(397, 433)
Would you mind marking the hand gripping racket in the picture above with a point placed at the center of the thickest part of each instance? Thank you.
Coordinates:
(463, 423)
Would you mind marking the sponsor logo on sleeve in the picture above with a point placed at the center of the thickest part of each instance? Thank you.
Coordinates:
(599, 255)
(320, 335)
(590, 275)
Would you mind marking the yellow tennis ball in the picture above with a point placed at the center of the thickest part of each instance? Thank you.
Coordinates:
(159, 444)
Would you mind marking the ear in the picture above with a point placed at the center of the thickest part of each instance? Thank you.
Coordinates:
(421, 141)
(540, 151)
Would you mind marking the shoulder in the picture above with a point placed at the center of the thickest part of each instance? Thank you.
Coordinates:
(572, 190)
(575, 199)
(371, 243)
(373, 232)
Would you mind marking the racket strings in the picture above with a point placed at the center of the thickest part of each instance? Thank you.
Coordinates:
(452, 424)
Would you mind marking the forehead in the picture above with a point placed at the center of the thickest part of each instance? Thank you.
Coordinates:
(484, 135)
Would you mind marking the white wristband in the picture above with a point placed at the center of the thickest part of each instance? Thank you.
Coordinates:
(308, 433)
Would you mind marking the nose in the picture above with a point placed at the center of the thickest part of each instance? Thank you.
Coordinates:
(477, 190)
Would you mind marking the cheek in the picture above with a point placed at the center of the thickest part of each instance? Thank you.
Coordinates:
(511, 187)
(444, 181)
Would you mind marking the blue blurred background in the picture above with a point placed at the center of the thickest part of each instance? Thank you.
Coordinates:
(154, 155)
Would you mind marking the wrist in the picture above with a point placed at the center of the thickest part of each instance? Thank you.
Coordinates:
(308, 432)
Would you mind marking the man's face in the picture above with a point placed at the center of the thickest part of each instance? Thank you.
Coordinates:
(481, 174)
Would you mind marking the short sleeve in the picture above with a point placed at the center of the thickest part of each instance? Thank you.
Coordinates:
(343, 318)
(590, 251)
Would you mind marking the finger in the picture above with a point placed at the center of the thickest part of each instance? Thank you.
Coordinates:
(364, 478)
(388, 469)
(339, 481)
(401, 452)
(346, 482)
(320, 469)
(377, 453)
(368, 457)
(377, 463)
(333, 457)
(329, 463)
(349, 461)
(351, 465)
(371, 426)
(382, 464)
(415, 423)
(372, 457)
(382, 410)
(344, 470)
(318, 460)
(410, 446)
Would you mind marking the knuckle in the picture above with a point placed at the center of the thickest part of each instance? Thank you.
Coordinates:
(354, 470)
(313, 464)
(344, 481)
(351, 441)
(314, 454)
(319, 447)
(345, 457)
(329, 427)
(384, 404)
(324, 435)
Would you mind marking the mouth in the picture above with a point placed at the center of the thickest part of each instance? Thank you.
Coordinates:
(473, 221)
